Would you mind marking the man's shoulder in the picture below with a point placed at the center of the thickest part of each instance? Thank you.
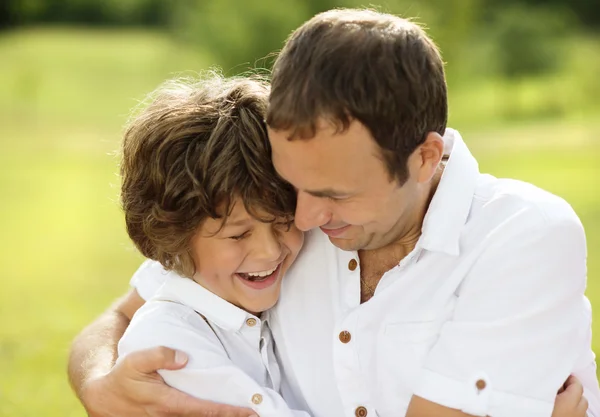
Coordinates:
(505, 203)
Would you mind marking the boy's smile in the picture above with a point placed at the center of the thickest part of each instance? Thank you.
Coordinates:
(244, 259)
(261, 280)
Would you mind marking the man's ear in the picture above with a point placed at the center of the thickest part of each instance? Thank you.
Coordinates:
(429, 155)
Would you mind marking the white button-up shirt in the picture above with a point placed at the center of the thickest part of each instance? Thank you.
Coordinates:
(486, 315)
(231, 358)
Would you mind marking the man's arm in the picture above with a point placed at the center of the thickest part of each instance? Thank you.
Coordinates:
(570, 402)
(94, 350)
(133, 388)
(520, 326)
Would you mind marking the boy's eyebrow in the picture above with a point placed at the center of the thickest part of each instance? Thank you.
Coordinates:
(239, 222)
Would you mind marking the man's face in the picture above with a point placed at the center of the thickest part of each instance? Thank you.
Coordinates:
(344, 187)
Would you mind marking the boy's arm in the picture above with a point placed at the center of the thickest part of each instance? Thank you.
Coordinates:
(132, 388)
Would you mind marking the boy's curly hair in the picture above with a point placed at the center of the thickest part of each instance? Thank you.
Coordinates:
(185, 157)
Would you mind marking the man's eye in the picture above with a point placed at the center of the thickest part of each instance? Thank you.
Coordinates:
(332, 198)
(240, 237)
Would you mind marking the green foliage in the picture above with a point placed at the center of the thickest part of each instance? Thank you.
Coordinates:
(528, 40)
(240, 34)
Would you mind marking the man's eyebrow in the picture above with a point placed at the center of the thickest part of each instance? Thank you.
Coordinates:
(327, 192)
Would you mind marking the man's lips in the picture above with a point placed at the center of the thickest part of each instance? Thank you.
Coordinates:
(335, 232)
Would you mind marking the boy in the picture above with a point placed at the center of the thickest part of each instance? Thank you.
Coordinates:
(201, 196)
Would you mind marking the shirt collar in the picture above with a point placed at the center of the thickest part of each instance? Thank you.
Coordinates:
(451, 203)
(216, 310)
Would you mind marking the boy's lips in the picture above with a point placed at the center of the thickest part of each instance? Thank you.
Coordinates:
(260, 283)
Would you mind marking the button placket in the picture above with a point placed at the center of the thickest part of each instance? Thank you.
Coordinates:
(252, 331)
(353, 392)
(349, 275)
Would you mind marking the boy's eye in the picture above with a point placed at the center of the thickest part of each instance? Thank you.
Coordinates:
(285, 225)
(240, 237)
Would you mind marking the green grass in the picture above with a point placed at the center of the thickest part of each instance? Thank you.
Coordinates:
(64, 95)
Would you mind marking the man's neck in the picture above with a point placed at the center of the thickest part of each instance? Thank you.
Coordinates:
(376, 262)
(385, 258)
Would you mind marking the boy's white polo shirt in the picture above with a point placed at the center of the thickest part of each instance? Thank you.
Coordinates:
(230, 351)
(486, 315)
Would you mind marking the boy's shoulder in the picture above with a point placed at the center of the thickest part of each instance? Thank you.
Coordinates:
(167, 323)
(161, 310)
(164, 319)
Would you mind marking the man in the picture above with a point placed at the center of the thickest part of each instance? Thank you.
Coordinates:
(444, 292)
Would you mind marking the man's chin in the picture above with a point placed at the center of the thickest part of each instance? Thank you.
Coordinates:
(345, 243)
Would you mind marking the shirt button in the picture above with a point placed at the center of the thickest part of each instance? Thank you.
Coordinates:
(345, 336)
(480, 384)
(257, 399)
(360, 411)
(352, 264)
(251, 322)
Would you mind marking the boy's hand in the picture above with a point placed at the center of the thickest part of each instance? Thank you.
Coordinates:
(570, 401)
(133, 388)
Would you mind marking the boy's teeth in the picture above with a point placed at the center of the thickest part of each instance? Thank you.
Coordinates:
(262, 273)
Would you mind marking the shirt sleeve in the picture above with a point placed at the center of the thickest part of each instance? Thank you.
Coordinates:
(209, 374)
(149, 277)
(521, 324)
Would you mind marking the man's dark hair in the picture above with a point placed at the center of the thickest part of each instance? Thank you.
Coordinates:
(376, 68)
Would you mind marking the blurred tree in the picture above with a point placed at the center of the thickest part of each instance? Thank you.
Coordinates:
(586, 11)
(238, 33)
(241, 32)
(527, 40)
(91, 12)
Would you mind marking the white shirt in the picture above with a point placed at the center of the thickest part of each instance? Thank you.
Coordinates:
(231, 358)
(487, 314)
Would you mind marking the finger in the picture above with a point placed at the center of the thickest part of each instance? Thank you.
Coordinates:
(582, 407)
(572, 379)
(150, 360)
(574, 387)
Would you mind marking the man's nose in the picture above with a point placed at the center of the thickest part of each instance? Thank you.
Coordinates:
(311, 212)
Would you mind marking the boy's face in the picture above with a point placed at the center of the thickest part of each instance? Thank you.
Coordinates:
(245, 261)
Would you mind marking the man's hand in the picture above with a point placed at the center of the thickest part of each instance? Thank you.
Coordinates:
(133, 388)
(570, 401)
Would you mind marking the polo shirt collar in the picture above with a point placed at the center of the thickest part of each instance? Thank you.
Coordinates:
(451, 203)
(216, 310)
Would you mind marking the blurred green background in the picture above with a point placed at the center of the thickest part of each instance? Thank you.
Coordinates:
(524, 87)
